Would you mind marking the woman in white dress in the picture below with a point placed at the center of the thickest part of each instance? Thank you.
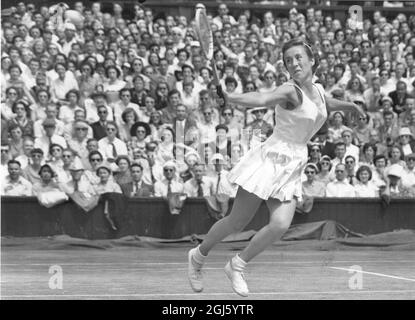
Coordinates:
(272, 170)
(365, 188)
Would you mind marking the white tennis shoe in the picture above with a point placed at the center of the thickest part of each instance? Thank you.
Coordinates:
(237, 279)
(194, 272)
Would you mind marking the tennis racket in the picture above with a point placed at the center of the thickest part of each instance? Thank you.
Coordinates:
(204, 33)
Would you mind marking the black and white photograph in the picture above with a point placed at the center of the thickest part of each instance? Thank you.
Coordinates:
(204, 156)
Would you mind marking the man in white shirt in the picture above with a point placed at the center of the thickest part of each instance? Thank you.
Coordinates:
(408, 178)
(168, 184)
(70, 38)
(28, 145)
(221, 182)
(200, 185)
(110, 146)
(340, 188)
(207, 127)
(44, 142)
(14, 184)
(351, 149)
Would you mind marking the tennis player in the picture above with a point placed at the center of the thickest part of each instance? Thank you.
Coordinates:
(272, 170)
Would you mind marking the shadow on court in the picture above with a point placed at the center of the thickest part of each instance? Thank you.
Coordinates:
(66, 268)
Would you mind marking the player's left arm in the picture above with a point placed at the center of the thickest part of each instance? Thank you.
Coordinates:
(339, 105)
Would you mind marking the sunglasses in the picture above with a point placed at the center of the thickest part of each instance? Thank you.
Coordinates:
(96, 160)
(125, 95)
(111, 129)
(315, 150)
(349, 162)
(12, 93)
(309, 172)
(207, 113)
(81, 129)
(227, 114)
(102, 112)
(56, 149)
(37, 156)
(168, 170)
(339, 170)
(325, 163)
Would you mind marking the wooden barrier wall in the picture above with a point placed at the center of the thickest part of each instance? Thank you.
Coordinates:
(24, 217)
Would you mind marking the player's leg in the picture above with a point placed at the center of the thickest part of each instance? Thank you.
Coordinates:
(281, 215)
(244, 208)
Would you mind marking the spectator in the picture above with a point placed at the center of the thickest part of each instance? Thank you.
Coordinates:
(47, 182)
(105, 184)
(137, 188)
(51, 113)
(99, 127)
(350, 163)
(95, 159)
(79, 182)
(396, 156)
(408, 178)
(168, 184)
(199, 185)
(406, 141)
(313, 187)
(389, 131)
(379, 175)
(396, 189)
(28, 145)
(44, 142)
(110, 146)
(338, 126)
(15, 141)
(140, 133)
(351, 149)
(31, 172)
(63, 84)
(369, 152)
(340, 187)
(14, 184)
(165, 149)
(362, 130)
(365, 188)
(22, 117)
(123, 175)
(182, 123)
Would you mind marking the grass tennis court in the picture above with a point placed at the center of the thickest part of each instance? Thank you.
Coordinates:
(159, 272)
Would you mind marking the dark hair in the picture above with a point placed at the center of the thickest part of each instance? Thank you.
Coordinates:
(123, 157)
(47, 167)
(112, 67)
(361, 169)
(297, 42)
(93, 153)
(339, 144)
(76, 92)
(127, 111)
(136, 164)
(380, 156)
(222, 126)
(13, 161)
(229, 80)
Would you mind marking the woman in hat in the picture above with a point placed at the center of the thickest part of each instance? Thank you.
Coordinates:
(106, 183)
(166, 148)
(406, 141)
(140, 134)
(272, 170)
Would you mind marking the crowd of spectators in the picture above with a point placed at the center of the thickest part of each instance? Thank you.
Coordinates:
(110, 104)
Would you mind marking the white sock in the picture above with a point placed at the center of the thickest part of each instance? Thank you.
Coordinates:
(198, 257)
(238, 264)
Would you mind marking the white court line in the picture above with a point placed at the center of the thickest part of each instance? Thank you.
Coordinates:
(149, 295)
(373, 273)
(323, 261)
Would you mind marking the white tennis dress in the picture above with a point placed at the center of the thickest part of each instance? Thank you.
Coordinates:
(273, 168)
